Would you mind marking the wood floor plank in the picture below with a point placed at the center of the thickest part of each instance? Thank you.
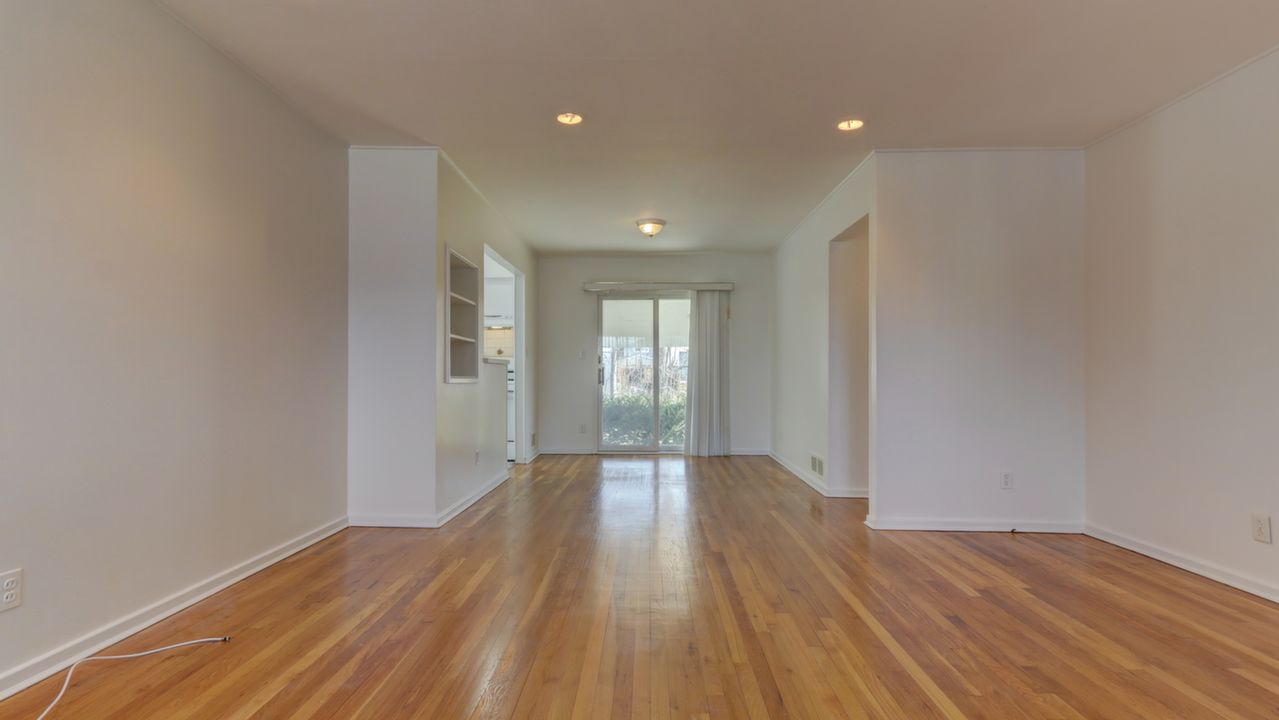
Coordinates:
(670, 587)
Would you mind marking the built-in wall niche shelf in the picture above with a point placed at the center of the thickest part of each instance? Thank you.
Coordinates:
(462, 321)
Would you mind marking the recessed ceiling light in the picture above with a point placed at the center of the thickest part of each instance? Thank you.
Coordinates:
(568, 118)
(850, 125)
(650, 226)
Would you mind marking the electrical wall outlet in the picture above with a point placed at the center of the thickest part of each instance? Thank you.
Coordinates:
(817, 465)
(477, 457)
(10, 589)
(1006, 481)
(581, 429)
(1261, 529)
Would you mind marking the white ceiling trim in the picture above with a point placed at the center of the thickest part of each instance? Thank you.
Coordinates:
(1182, 98)
(829, 195)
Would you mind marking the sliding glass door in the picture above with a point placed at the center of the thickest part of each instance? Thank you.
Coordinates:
(643, 373)
(673, 315)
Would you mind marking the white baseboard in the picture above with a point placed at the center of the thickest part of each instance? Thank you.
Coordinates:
(1212, 571)
(819, 483)
(456, 508)
(815, 482)
(847, 493)
(392, 520)
(29, 673)
(593, 451)
(996, 525)
(531, 458)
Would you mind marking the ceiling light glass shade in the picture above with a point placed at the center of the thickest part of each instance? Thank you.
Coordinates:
(568, 118)
(650, 226)
(850, 125)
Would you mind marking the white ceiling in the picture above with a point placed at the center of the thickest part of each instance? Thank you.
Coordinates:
(718, 115)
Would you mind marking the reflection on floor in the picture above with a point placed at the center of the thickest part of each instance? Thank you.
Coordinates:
(597, 587)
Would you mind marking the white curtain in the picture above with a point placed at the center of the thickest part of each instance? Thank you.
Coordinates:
(708, 374)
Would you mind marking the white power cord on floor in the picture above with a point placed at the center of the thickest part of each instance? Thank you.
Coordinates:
(67, 683)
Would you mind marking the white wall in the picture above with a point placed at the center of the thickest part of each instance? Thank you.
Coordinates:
(393, 359)
(801, 353)
(975, 329)
(979, 341)
(1183, 383)
(467, 223)
(173, 362)
(421, 449)
(568, 326)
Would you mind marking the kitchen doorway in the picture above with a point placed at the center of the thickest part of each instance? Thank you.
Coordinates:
(504, 341)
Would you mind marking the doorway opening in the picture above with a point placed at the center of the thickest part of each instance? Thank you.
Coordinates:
(850, 365)
(504, 340)
(643, 372)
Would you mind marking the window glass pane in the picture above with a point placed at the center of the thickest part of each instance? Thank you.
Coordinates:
(673, 322)
(626, 349)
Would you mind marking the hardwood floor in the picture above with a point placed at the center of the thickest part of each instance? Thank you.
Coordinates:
(642, 587)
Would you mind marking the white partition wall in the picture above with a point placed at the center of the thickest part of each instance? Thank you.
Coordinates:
(470, 445)
(979, 340)
(975, 327)
(393, 367)
(422, 446)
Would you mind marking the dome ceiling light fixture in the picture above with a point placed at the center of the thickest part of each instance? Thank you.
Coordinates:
(568, 118)
(849, 125)
(650, 226)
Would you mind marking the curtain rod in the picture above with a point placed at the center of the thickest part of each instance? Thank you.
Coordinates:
(605, 287)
